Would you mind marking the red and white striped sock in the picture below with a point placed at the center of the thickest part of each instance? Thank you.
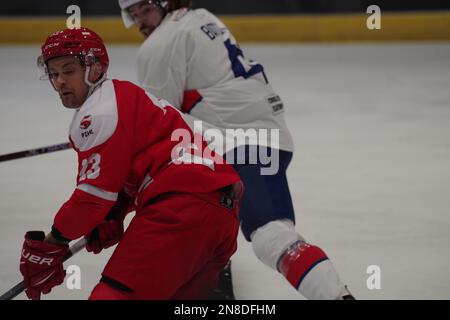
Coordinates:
(308, 269)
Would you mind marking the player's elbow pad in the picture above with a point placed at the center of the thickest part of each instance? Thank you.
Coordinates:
(80, 214)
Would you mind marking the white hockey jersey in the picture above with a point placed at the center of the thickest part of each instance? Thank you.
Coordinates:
(193, 61)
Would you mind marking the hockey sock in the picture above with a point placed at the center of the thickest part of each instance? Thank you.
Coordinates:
(309, 270)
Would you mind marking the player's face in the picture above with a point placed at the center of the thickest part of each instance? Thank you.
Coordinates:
(147, 17)
(67, 77)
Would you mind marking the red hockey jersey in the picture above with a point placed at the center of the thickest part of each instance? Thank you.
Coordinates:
(128, 140)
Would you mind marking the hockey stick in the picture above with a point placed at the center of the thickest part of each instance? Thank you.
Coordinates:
(34, 152)
(18, 288)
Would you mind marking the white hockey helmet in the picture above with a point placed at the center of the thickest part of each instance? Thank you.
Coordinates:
(125, 4)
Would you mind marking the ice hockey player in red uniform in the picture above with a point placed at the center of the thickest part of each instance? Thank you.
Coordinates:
(135, 153)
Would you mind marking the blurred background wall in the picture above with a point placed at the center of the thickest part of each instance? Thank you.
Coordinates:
(29, 21)
(110, 7)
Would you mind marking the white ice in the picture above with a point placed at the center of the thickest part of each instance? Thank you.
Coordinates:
(370, 177)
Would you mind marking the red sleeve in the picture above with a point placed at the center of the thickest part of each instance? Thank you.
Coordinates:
(80, 214)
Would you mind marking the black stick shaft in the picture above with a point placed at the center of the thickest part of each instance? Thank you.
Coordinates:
(34, 152)
(18, 288)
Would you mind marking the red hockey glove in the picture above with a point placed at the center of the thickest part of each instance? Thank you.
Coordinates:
(105, 235)
(41, 264)
(110, 231)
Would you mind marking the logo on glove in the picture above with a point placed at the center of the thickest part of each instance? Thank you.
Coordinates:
(35, 259)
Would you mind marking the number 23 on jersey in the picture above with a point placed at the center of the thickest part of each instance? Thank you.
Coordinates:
(90, 167)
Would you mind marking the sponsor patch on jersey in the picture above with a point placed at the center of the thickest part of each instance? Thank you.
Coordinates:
(87, 133)
(275, 103)
(86, 122)
(212, 30)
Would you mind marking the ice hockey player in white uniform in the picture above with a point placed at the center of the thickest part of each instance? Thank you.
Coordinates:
(191, 59)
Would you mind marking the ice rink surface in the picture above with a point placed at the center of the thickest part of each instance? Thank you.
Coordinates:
(370, 177)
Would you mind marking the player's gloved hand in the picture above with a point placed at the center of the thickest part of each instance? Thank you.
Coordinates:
(41, 264)
(110, 231)
(105, 235)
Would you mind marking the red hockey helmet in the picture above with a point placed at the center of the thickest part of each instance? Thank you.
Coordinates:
(80, 42)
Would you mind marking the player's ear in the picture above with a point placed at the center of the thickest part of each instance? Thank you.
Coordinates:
(96, 71)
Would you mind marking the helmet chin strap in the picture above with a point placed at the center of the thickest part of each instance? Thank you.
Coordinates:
(92, 86)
